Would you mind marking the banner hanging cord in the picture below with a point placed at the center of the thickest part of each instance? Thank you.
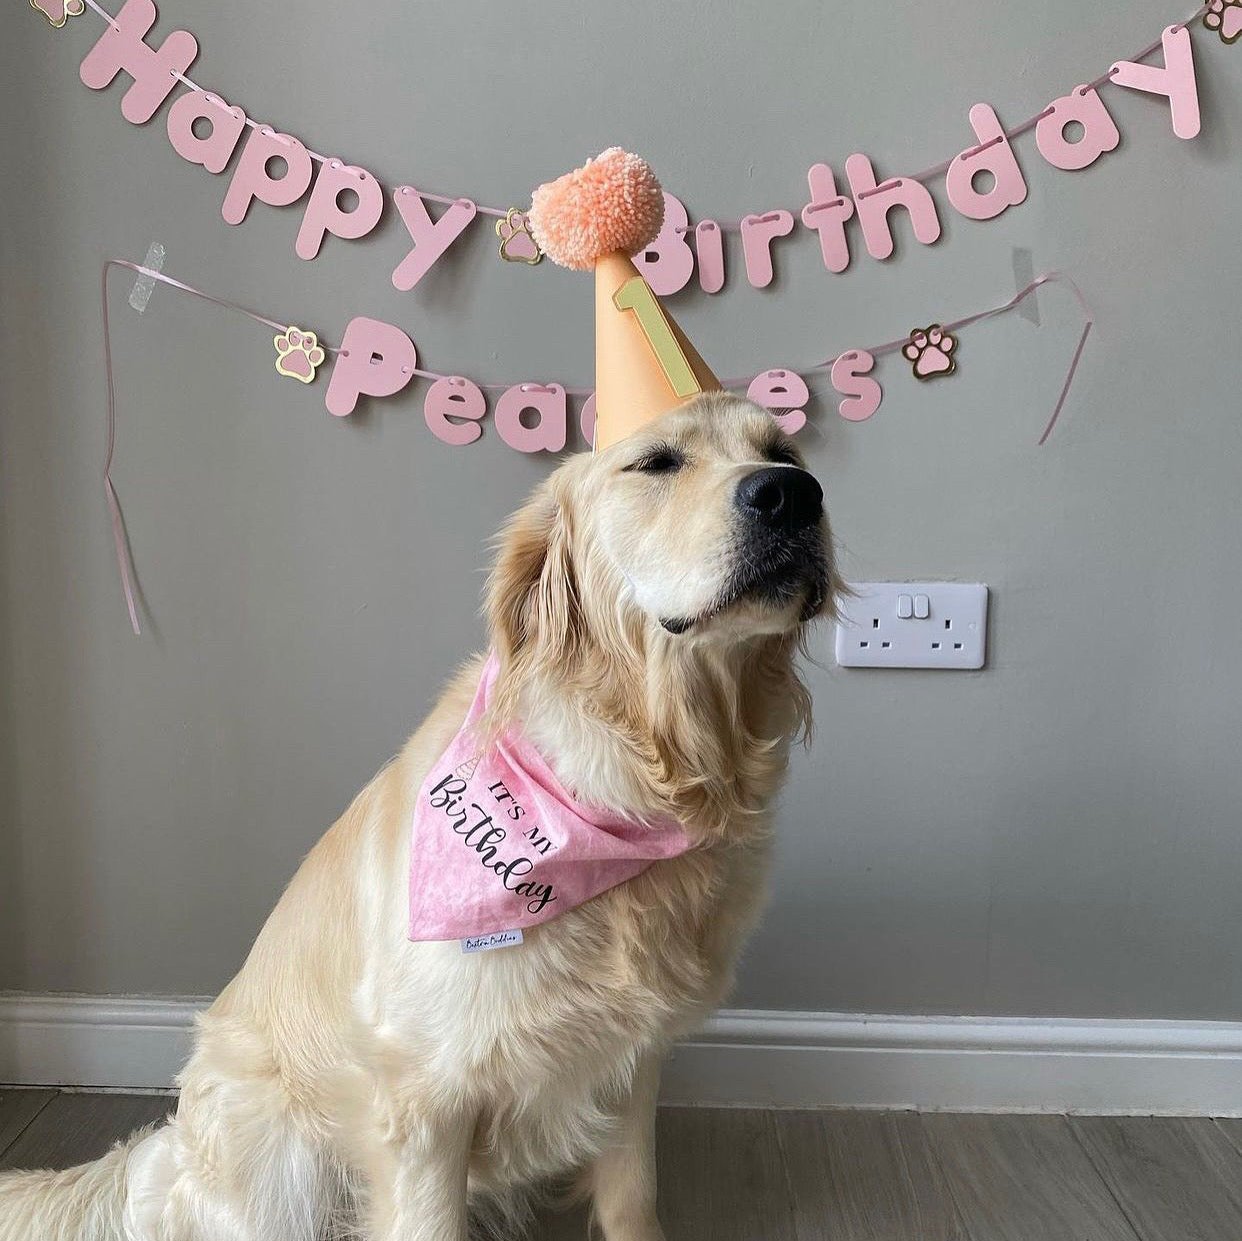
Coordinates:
(927, 174)
(120, 537)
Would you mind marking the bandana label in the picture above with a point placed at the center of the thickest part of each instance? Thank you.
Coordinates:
(499, 844)
(488, 943)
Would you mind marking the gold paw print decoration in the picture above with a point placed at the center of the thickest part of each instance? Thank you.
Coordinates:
(298, 354)
(1223, 16)
(516, 243)
(930, 349)
(58, 12)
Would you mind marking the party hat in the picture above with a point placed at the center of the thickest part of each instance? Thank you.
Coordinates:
(597, 217)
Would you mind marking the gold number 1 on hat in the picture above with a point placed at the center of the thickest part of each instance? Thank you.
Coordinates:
(636, 295)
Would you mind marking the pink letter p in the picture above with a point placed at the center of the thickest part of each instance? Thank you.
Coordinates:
(376, 359)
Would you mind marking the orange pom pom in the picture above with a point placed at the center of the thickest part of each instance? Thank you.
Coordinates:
(613, 202)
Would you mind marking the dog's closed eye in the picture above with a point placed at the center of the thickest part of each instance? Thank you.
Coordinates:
(778, 452)
(659, 460)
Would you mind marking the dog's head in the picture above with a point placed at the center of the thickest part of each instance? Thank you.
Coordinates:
(703, 528)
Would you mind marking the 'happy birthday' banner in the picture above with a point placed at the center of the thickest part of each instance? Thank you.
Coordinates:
(377, 359)
(347, 201)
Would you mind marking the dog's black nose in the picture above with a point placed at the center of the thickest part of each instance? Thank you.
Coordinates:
(782, 497)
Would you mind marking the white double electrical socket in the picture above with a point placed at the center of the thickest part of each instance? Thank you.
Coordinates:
(913, 625)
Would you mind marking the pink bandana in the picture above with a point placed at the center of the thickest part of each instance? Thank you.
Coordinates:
(499, 844)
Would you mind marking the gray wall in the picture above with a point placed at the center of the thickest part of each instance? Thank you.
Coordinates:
(1056, 835)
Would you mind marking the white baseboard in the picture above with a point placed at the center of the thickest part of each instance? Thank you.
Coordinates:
(774, 1059)
(107, 1041)
(965, 1064)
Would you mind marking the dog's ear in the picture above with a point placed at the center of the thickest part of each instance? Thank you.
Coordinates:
(532, 595)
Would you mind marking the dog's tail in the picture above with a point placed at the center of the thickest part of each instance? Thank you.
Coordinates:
(88, 1203)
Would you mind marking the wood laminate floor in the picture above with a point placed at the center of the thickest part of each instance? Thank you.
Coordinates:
(741, 1175)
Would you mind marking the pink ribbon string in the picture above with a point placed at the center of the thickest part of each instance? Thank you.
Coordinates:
(1017, 299)
(1015, 131)
(892, 346)
(1023, 127)
(499, 212)
(120, 537)
(928, 174)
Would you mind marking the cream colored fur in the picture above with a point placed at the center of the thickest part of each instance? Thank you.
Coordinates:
(348, 1083)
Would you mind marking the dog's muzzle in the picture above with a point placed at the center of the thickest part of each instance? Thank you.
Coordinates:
(780, 554)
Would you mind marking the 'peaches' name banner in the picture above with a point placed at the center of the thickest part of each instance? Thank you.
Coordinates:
(341, 200)
(378, 360)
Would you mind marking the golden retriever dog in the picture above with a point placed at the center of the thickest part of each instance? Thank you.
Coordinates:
(646, 610)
